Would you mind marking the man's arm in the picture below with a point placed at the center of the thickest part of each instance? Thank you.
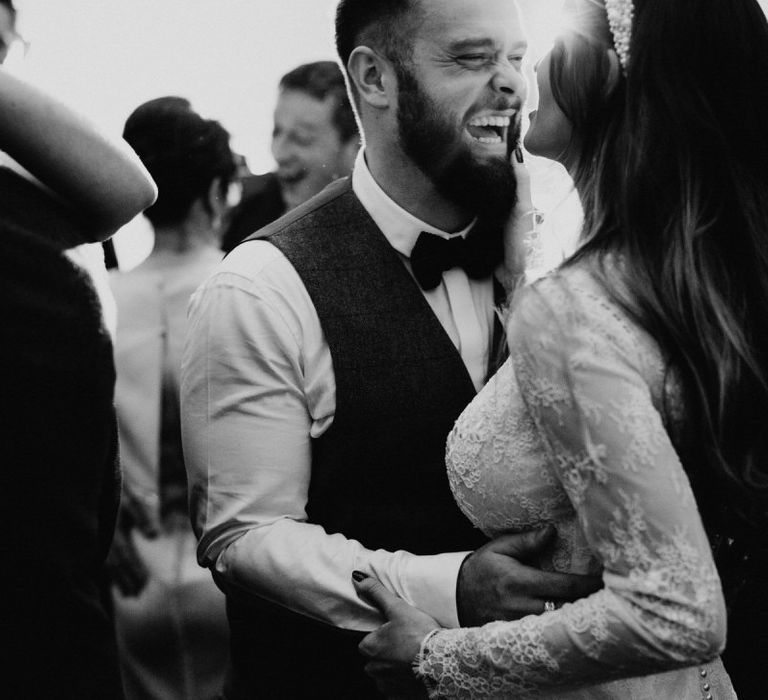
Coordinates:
(257, 383)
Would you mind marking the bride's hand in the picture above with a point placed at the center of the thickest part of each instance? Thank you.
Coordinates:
(520, 226)
(392, 649)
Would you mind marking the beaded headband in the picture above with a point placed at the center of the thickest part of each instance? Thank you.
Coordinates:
(620, 14)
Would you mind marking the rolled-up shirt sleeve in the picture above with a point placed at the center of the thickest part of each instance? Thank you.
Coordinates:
(256, 386)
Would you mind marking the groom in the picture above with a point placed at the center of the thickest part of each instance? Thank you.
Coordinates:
(327, 362)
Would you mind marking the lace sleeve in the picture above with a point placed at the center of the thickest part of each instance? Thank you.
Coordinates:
(582, 369)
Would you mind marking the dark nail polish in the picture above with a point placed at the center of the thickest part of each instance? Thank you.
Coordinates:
(359, 576)
(519, 154)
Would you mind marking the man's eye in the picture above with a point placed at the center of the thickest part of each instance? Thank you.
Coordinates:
(517, 59)
(473, 58)
(303, 139)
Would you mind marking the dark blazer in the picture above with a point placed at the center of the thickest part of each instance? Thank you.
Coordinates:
(261, 204)
(59, 478)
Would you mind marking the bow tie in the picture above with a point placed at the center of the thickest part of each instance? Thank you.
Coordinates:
(478, 254)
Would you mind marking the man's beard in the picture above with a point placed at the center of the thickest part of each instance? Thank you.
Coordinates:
(486, 188)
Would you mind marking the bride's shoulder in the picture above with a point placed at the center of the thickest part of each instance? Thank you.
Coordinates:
(574, 288)
(577, 299)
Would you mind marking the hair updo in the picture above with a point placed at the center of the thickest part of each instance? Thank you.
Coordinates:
(183, 152)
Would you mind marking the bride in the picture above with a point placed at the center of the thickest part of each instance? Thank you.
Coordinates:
(631, 412)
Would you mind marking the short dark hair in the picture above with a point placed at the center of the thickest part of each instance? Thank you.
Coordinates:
(183, 152)
(323, 80)
(386, 25)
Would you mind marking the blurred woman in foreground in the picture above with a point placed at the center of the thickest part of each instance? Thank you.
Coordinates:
(68, 185)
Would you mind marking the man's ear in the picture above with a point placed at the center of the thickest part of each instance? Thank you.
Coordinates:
(215, 201)
(371, 75)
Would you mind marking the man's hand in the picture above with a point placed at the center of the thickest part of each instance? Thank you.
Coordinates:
(495, 583)
(126, 569)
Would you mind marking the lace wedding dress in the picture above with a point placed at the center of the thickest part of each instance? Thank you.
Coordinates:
(572, 431)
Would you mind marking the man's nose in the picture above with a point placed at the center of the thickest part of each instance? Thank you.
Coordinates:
(281, 149)
(510, 81)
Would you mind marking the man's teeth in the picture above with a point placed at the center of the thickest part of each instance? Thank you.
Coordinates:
(495, 126)
(491, 121)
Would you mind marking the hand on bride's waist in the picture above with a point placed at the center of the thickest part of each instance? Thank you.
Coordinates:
(500, 582)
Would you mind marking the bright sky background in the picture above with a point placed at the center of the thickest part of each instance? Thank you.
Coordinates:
(105, 57)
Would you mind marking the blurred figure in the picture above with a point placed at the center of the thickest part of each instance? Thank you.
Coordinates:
(170, 617)
(314, 142)
(60, 477)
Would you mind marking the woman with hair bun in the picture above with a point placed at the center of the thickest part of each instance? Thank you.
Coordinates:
(170, 618)
(631, 413)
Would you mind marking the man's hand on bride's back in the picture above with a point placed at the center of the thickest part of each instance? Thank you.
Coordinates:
(496, 581)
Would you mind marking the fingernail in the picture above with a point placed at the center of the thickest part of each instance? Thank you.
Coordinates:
(519, 154)
(359, 576)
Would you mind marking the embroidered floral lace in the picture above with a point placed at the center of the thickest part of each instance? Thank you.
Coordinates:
(570, 432)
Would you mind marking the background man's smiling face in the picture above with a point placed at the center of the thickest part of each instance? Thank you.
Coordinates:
(306, 145)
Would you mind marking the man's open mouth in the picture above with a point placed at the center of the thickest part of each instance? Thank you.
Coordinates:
(291, 177)
(490, 129)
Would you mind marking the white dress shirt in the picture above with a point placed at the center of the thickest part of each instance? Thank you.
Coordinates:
(257, 385)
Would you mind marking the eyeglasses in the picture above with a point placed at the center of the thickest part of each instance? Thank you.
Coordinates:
(13, 47)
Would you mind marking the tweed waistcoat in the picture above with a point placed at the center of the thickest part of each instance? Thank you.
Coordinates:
(378, 473)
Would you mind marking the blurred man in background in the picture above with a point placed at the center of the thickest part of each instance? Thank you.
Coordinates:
(314, 142)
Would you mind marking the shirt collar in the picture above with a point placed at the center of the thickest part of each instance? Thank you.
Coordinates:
(399, 227)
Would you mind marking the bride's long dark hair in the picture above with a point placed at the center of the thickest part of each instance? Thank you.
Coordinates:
(671, 163)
